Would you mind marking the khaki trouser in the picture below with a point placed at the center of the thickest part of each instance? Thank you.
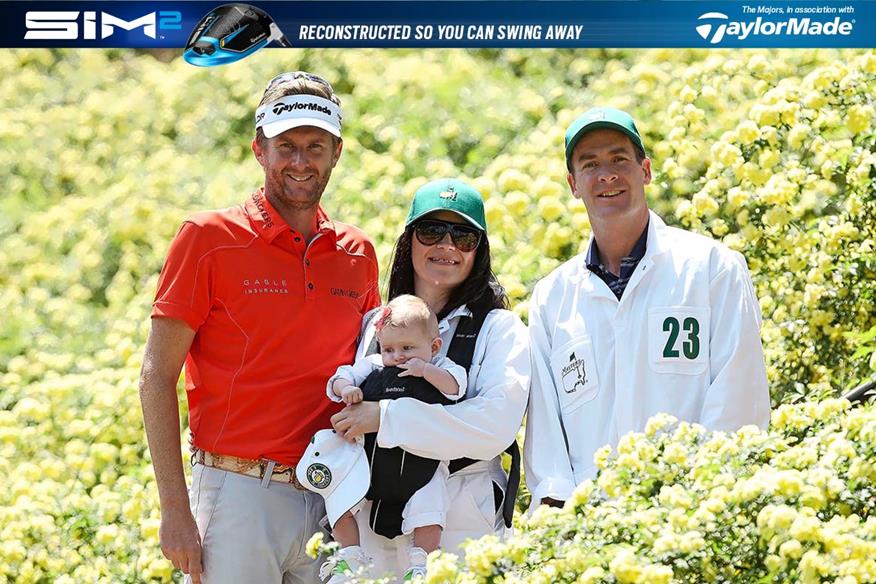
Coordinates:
(250, 533)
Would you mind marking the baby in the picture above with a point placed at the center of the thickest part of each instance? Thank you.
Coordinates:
(407, 333)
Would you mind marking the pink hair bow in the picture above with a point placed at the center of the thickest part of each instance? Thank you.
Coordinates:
(383, 318)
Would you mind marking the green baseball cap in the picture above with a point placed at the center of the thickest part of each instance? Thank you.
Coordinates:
(449, 194)
(601, 117)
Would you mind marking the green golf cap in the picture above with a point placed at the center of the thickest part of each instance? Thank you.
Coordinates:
(601, 118)
(449, 194)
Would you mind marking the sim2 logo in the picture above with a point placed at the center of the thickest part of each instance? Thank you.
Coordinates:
(65, 25)
(717, 25)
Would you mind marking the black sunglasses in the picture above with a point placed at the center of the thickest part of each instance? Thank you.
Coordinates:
(431, 231)
(291, 76)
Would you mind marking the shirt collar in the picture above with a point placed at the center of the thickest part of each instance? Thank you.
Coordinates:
(657, 243)
(268, 223)
(324, 224)
(455, 313)
(636, 254)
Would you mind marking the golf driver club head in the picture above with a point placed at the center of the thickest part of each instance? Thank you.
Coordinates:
(229, 33)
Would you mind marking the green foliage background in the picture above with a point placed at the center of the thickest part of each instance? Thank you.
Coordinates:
(104, 152)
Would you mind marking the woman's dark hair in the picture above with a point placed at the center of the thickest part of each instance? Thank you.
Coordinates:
(481, 290)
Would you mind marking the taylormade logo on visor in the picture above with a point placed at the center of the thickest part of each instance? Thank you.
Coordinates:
(295, 110)
(281, 107)
(721, 26)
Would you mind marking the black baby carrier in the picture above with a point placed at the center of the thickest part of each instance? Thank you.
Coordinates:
(396, 474)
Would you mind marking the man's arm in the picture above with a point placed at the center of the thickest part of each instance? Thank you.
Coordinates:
(738, 393)
(166, 350)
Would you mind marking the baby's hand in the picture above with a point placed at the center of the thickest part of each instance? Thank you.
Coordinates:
(415, 367)
(351, 395)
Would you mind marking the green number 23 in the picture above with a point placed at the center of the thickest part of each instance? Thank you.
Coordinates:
(691, 346)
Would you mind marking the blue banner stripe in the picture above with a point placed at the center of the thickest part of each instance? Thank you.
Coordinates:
(633, 24)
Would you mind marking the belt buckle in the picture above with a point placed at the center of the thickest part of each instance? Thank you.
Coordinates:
(268, 470)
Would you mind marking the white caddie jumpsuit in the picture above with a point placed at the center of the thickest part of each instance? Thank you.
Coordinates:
(683, 339)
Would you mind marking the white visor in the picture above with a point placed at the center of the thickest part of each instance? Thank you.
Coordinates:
(292, 111)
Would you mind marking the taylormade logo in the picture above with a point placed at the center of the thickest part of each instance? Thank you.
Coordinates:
(717, 25)
(288, 107)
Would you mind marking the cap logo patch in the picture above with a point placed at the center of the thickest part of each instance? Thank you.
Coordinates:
(450, 193)
(319, 475)
(596, 116)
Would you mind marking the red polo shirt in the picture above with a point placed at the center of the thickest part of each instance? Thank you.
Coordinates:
(274, 318)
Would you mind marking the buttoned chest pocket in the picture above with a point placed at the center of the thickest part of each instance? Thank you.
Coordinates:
(574, 369)
(678, 339)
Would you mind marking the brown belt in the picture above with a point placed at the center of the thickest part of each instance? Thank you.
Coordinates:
(280, 473)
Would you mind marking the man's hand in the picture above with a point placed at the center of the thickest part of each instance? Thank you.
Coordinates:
(351, 395)
(357, 420)
(552, 502)
(415, 367)
(181, 543)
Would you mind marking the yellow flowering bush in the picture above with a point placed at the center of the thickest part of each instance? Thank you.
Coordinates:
(104, 152)
(679, 504)
(790, 186)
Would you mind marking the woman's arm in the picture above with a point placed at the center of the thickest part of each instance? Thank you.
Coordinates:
(487, 421)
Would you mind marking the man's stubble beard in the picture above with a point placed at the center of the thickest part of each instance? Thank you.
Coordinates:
(290, 202)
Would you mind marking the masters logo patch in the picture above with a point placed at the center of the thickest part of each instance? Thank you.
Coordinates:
(574, 374)
(450, 193)
(319, 475)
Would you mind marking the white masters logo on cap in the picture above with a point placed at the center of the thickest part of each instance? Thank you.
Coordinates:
(337, 470)
(450, 193)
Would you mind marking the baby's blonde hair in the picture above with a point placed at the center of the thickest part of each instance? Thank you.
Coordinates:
(406, 311)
